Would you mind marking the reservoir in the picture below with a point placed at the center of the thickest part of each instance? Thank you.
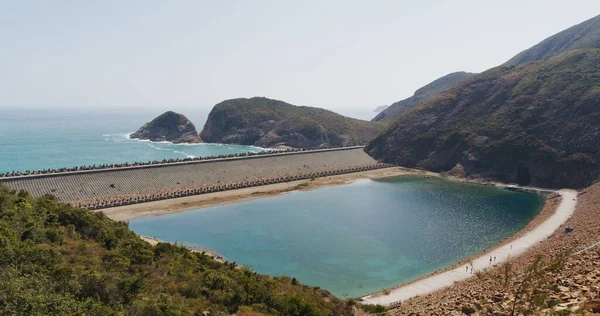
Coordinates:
(354, 239)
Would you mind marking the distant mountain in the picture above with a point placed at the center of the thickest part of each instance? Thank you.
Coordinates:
(169, 126)
(425, 93)
(536, 123)
(269, 123)
(583, 35)
(380, 108)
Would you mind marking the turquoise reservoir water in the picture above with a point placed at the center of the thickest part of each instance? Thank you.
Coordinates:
(354, 239)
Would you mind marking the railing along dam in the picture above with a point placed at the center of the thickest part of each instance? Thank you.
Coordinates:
(127, 183)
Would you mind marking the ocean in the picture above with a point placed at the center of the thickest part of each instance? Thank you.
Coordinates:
(40, 139)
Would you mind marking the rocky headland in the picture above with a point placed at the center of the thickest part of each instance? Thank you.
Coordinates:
(169, 126)
(271, 123)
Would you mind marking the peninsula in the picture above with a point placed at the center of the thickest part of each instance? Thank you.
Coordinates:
(271, 123)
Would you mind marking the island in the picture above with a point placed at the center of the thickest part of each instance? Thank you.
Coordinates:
(169, 126)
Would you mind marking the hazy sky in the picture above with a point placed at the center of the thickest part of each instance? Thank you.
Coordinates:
(332, 54)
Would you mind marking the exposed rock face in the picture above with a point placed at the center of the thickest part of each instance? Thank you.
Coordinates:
(169, 126)
(536, 123)
(270, 123)
(583, 35)
(425, 93)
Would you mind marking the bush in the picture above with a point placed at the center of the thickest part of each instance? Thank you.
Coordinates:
(58, 260)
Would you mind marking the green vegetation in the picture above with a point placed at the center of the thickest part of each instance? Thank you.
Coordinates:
(59, 260)
(535, 123)
(266, 122)
(426, 93)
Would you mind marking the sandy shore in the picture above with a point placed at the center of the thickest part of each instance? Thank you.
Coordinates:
(157, 208)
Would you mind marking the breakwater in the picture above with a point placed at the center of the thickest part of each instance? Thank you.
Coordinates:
(130, 199)
(154, 163)
(136, 184)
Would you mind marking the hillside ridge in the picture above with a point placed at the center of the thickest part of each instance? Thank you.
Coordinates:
(422, 94)
(266, 122)
(535, 123)
(583, 35)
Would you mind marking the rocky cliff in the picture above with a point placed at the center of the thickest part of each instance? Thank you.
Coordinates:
(536, 123)
(269, 123)
(169, 126)
(425, 93)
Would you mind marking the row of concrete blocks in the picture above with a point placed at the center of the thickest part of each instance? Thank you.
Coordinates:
(224, 187)
(160, 162)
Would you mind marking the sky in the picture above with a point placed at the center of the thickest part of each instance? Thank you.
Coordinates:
(176, 55)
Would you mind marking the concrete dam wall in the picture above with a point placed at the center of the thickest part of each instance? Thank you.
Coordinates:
(79, 186)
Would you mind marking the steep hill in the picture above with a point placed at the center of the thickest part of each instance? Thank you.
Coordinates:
(59, 260)
(583, 35)
(536, 123)
(268, 123)
(169, 126)
(425, 93)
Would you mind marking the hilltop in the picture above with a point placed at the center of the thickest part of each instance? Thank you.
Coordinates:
(269, 123)
(169, 126)
(535, 123)
(425, 93)
(583, 35)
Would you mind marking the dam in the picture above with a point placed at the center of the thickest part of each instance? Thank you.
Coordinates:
(114, 186)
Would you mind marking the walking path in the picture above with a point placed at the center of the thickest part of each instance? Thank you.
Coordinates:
(502, 254)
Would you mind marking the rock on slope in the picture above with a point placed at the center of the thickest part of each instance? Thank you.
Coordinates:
(169, 126)
(425, 93)
(583, 35)
(536, 123)
(269, 123)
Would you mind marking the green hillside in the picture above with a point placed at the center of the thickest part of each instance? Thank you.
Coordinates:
(267, 123)
(536, 123)
(58, 260)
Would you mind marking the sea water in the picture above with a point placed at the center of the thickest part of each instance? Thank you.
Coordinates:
(40, 139)
(354, 239)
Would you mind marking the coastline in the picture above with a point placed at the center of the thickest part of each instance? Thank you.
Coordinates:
(176, 205)
(550, 206)
(154, 241)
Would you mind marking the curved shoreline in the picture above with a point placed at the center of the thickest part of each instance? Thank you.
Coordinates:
(446, 278)
(183, 204)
